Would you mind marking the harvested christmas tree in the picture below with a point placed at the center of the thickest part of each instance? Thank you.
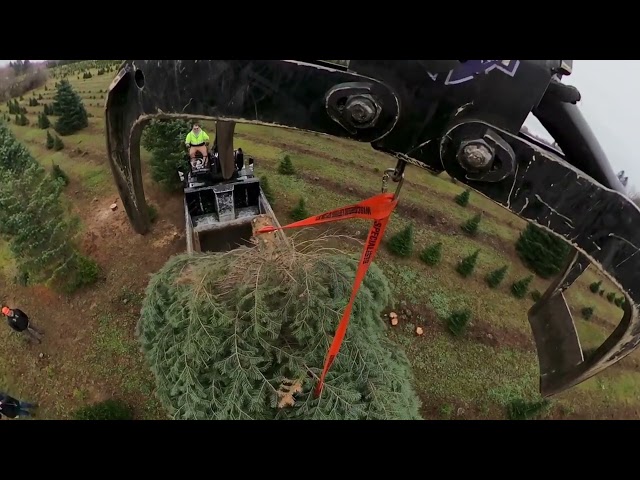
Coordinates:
(519, 289)
(495, 278)
(286, 167)
(401, 244)
(458, 321)
(595, 286)
(432, 255)
(463, 198)
(471, 225)
(468, 264)
(300, 211)
(543, 252)
(244, 335)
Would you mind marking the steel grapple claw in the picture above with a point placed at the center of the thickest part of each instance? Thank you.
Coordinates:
(459, 116)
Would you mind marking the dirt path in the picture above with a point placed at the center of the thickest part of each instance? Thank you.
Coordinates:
(70, 323)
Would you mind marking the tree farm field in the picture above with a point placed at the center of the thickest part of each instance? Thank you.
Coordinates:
(90, 352)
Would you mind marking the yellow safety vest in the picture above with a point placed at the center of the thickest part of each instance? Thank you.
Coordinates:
(194, 139)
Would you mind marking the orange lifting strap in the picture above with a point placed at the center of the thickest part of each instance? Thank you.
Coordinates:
(377, 208)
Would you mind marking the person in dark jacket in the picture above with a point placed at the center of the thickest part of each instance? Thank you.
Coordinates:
(12, 407)
(19, 321)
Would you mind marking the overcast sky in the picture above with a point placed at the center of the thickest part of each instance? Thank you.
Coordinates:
(611, 104)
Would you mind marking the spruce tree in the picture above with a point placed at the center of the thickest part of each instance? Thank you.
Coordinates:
(471, 225)
(266, 189)
(463, 198)
(401, 244)
(519, 289)
(519, 409)
(43, 121)
(432, 255)
(611, 296)
(243, 335)
(468, 264)
(164, 140)
(587, 312)
(34, 218)
(536, 295)
(300, 211)
(72, 115)
(286, 166)
(542, 252)
(458, 321)
(50, 141)
(495, 278)
(57, 143)
(595, 286)
(59, 174)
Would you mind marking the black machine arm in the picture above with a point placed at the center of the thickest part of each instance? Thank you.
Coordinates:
(459, 116)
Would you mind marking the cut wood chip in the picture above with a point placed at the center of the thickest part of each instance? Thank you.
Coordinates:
(394, 321)
(393, 315)
(286, 392)
(113, 207)
(419, 331)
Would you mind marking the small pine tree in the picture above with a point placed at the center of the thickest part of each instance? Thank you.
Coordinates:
(458, 321)
(543, 252)
(299, 212)
(22, 120)
(468, 264)
(401, 244)
(619, 301)
(106, 410)
(57, 143)
(495, 278)
(463, 198)
(43, 121)
(266, 189)
(536, 295)
(59, 174)
(611, 296)
(601, 293)
(432, 254)
(286, 166)
(595, 286)
(520, 409)
(50, 141)
(72, 115)
(519, 289)
(471, 225)
(587, 312)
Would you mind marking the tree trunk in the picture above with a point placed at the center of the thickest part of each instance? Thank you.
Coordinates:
(224, 141)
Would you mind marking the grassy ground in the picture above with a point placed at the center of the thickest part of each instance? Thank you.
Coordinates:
(90, 352)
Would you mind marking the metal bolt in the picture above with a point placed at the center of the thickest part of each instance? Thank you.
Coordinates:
(476, 154)
(361, 109)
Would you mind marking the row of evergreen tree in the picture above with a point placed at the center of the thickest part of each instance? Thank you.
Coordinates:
(67, 106)
(34, 221)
